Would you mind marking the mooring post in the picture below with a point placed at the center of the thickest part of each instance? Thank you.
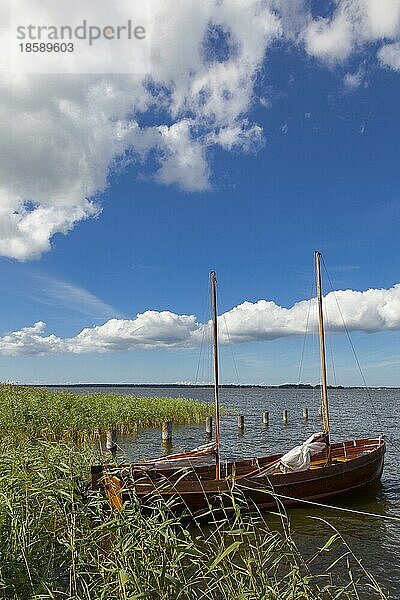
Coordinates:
(209, 427)
(265, 417)
(320, 411)
(305, 414)
(166, 433)
(285, 416)
(111, 441)
(240, 422)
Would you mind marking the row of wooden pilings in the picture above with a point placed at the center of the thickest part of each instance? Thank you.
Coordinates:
(166, 428)
(265, 419)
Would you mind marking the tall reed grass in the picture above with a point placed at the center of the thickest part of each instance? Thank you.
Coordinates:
(63, 416)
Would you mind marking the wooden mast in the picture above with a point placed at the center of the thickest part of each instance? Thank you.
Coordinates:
(216, 383)
(322, 346)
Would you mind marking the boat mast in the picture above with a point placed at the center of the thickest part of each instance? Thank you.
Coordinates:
(322, 346)
(216, 389)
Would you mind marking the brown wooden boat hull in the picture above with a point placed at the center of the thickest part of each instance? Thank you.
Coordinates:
(355, 464)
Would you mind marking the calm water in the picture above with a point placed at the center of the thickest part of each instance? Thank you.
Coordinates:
(353, 413)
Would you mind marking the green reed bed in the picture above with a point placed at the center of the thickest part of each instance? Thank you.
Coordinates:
(59, 544)
(63, 416)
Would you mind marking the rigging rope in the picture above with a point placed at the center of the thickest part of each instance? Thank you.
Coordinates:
(366, 388)
(305, 337)
(312, 329)
(231, 348)
(329, 341)
(200, 362)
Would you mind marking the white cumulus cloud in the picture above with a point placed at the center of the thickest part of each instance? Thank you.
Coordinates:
(389, 55)
(61, 136)
(352, 25)
(367, 311)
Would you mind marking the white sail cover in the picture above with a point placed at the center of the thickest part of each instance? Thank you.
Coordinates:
(299, 458)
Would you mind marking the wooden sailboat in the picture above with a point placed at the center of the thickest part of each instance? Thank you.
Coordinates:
(315, 471)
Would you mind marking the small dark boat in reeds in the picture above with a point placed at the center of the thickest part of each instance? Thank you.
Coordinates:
(314, 471)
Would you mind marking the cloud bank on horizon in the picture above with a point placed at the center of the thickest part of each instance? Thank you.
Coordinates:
(61, 137)
(368, 311)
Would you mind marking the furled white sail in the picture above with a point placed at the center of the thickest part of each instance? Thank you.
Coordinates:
(299, 458)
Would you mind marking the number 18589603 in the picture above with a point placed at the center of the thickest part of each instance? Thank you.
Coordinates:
(46, 47)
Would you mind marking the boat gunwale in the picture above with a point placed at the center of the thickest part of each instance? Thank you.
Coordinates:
(191, 474)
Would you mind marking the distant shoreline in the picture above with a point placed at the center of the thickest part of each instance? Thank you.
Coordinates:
(305, 386)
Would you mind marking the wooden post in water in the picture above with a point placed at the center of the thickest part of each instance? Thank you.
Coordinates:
(166, 433)
(265, 417)
(320, 411)
(111, 441)
(240, 423)
(209, 427)
(305, 414)
(285, 416)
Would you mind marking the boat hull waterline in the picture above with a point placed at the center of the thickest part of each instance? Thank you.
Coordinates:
(354, 465)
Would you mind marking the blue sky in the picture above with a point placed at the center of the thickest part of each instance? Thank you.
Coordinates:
(323, 174)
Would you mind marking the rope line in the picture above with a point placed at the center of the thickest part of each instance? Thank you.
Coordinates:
(340, 508)
(202, 345)
(300, 375)
(231, 348)
(366, 388)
